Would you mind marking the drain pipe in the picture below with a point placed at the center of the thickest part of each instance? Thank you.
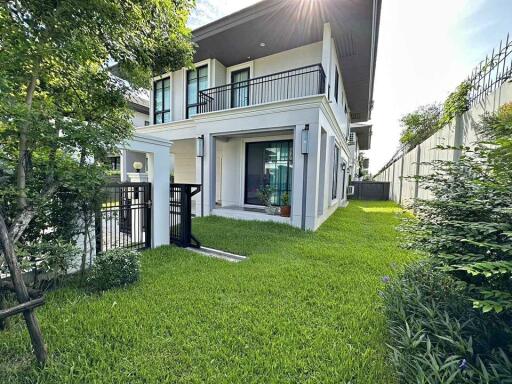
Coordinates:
(305, 151)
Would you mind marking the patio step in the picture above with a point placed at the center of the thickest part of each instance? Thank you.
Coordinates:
(218, 254)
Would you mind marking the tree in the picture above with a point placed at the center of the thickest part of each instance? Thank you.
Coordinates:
(420, 124)
(61, 111)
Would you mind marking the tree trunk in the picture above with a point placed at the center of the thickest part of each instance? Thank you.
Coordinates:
(21, 291)
(21, 174)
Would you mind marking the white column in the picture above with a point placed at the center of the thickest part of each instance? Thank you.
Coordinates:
(312, 191)
(298, 177)
(326, 55)
(123, 166)
(159, 170)
(207, 195)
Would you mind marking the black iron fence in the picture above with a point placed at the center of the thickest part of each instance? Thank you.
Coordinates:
(492, 72)
(124, 219)
(180, 214)
(292, 84)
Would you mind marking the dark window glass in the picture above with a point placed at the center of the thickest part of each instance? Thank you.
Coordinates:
(162, 101)
(335, 168)
(336, 84)
(115, 163)
(240, 88)
(268, 163)
(197, 80)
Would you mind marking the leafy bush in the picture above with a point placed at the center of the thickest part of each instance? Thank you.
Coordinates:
(436, 337)
(467, 226)
(52, 258)
(114, 268)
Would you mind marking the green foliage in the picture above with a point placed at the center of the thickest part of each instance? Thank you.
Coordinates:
(265, 194)
(420, 124)
(467, 226)
(456, 103)
(435, 337)
(302, 308)
(286, 199)
(115, 268)
(61, 111)
(426, 120)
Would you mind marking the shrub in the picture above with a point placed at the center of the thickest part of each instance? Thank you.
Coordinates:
(114, 268)
(435, 337)
(467, 226)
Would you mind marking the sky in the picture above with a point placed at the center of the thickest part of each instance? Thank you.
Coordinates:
(426, 48)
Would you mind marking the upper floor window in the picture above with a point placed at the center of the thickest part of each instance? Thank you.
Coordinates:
(197, 80)
(336, 84)
(162, 101)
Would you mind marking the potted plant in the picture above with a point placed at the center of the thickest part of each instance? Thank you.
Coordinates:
(265, 196)
(285, 208)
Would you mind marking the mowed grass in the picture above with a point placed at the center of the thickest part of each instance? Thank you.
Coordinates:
(304, 307)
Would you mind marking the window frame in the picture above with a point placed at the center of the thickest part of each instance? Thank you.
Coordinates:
(196, 104)
(164, 110)
(232, 74)
(335, 170)
(336, 83)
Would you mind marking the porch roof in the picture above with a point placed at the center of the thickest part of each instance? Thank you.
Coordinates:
(286, 24)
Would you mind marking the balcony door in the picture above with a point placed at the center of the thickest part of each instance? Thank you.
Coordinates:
(268, 163)
(240, 88)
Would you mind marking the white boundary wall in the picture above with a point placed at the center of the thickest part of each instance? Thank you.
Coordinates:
(461, 131)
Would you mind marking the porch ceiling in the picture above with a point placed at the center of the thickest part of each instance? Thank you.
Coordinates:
(287, 24)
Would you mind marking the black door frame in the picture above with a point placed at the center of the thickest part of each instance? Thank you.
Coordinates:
(248, 70)
(246, 165)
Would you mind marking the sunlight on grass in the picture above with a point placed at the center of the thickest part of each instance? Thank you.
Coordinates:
(304, 307)
(381, 209)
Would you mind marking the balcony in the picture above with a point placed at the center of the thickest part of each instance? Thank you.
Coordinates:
(292, 84)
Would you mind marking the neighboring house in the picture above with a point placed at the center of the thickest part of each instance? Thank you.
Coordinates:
(359, 140)
(120, 165)
(275, 90)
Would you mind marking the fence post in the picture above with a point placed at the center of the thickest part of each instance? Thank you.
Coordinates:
(458, 139)
(401, 180)
(417, 172)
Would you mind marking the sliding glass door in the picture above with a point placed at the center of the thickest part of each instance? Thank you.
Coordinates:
(240, 88)
(268, 163)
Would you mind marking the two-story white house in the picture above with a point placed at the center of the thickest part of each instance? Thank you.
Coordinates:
(270, 102)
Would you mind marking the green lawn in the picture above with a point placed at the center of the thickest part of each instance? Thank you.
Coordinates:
(304, 307)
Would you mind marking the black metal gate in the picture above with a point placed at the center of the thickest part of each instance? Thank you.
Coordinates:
(180, 214)
(124, 218)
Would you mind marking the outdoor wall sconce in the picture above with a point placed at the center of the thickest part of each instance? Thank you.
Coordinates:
(137, 165)
(305, 141)
(200, 147)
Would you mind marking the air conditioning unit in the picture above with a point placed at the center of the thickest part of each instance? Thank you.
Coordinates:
(350, 190)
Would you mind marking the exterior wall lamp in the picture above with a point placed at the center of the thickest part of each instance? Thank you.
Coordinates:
(305, 140)
(137, 165)
(200, 146)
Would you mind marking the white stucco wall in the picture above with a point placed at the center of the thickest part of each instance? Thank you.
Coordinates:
(139, 119)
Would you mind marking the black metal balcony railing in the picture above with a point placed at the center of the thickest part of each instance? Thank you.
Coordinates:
(292, 84)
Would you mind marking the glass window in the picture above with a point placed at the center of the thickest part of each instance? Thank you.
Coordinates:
(162, 101)
(335, 168)
(240, 88)
(268, 163)
(197, 80)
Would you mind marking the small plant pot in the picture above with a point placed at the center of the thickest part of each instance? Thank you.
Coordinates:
(269, 210)
(285, 211)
